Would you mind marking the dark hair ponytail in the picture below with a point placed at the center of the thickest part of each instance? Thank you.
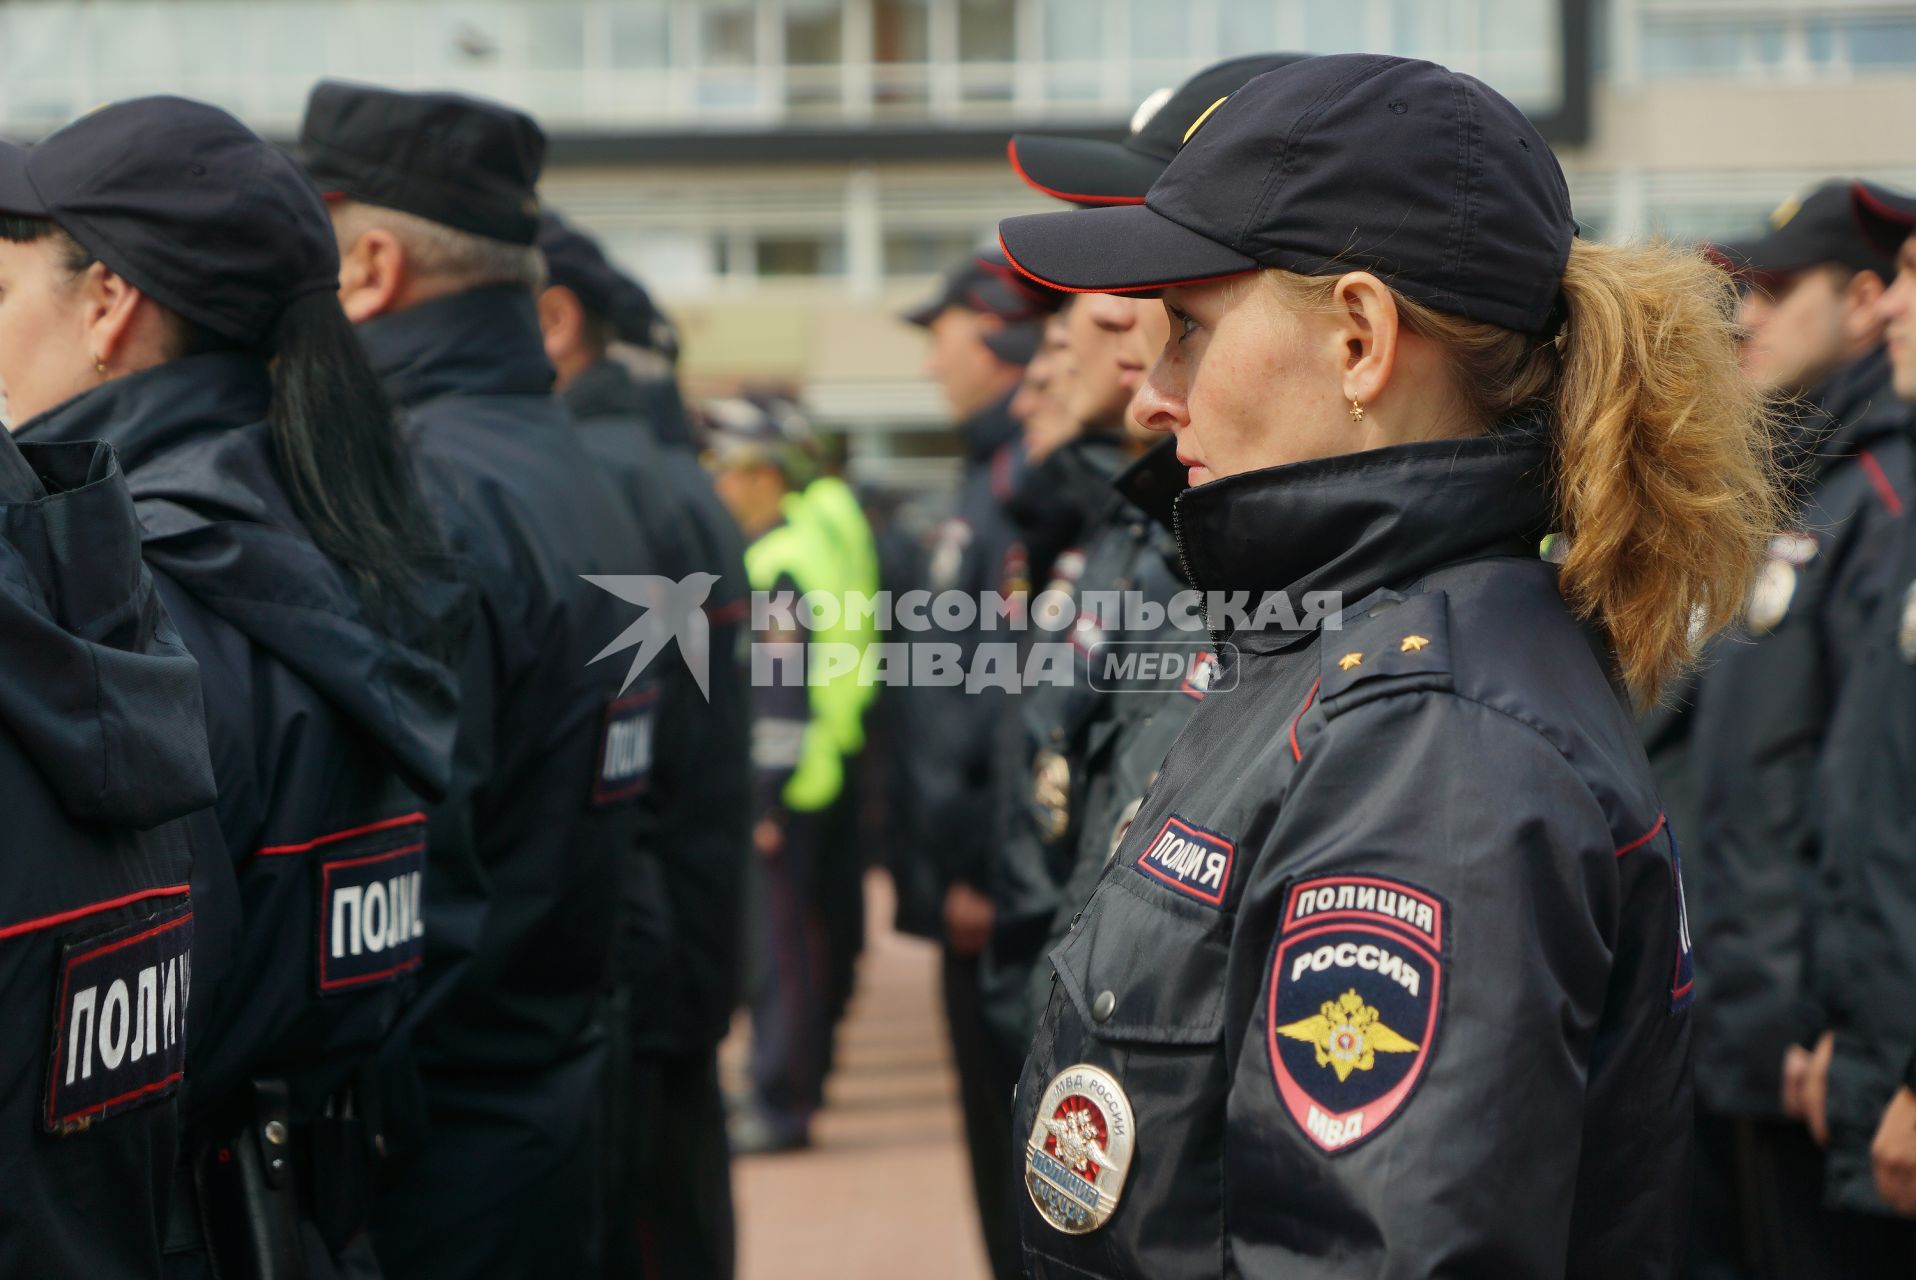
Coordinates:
(344, 465)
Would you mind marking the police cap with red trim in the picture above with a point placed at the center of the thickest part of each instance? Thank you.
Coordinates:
(1888, 217)
(1094, 171)
(1429, 178)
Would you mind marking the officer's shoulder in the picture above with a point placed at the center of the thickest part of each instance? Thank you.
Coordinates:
(1392, 644)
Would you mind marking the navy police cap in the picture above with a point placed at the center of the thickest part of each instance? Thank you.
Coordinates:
(185, 202)
(458, 161)
(1819, 228)
(1093, 171)
(1887, 217)
(575, 261)
(1428, 178)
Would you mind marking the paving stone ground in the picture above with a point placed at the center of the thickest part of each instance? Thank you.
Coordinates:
(884, 1191)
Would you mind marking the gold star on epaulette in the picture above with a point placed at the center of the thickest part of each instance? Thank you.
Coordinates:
(1412, 644)
(1349, 660)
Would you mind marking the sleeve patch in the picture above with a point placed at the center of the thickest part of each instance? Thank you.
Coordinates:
(625, 749)
(370, 928)
(119, 1021)
(1355, 995)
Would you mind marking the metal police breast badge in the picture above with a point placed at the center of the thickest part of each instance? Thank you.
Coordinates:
(1906, 626)
(1356, 987)
(1776, 580)
(1051, 794)
(1080, 1149)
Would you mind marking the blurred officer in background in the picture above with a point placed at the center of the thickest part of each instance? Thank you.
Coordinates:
(433, 204)
(983, 327)
(1860, 1094)
(1413, 869)
(1813, 332)
(1112, 342)
(825, 512)
(102, 757)
(298, 558)
(675, 978)
(798, 773)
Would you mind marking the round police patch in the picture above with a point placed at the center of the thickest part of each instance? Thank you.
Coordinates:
(1356, 990)
(1080, 1149)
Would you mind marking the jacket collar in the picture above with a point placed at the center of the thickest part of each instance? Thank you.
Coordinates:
(609, 390)
(483, 341)
(147, 415)
(1361, 522)
(989, 430)
(1855, 406)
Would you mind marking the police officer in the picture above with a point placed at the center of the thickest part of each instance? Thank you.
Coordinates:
(305, 590)
(1860, 1098)
(102, 757)
(1049, 853)
(433, 203)
(1389, 975)
(983, 327)
(1813, 333)
(676, 972)
(798, 773)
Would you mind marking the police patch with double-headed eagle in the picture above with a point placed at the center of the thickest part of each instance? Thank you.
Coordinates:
(1355, 995)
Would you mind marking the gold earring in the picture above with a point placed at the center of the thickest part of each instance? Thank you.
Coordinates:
(99, 366)
(1357, 410)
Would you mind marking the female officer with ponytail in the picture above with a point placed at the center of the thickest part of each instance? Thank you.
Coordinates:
(1390, 975)
(170, 279)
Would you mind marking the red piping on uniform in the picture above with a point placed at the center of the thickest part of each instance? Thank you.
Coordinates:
(1117, 289)
(732, 612)
(1645, 838)
(274, 850)
(1884, 490)
(1011, 153)
(155, 1087)
(47, 922)
(1309, 698)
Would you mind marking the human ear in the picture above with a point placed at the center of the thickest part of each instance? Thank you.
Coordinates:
(1863, 306)
(1365, 326)
(109, 304)
(372, 275)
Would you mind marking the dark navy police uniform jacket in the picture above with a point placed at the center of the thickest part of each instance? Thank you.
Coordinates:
(1389, 976)
(102, 757)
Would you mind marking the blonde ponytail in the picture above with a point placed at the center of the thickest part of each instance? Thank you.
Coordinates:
(1666, 479)
(1665, 471)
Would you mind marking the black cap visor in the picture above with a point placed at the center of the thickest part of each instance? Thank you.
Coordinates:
(927, 311)
(1888, 217)
(17, 195)
(1121, 249)
(1083, 170)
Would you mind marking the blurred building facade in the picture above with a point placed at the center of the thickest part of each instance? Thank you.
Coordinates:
(787, 173)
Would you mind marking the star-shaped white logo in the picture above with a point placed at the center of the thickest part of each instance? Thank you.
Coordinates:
(673, 610)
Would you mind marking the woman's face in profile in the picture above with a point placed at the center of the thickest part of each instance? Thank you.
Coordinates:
(1243, 381)
(43, 330)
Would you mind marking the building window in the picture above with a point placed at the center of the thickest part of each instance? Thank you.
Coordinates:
(1073, 50)
(926, 253)
(901, 46)
(642, 35)
(787, 254)
(814, 56)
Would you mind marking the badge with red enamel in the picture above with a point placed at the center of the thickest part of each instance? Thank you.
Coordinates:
(1080, 1149)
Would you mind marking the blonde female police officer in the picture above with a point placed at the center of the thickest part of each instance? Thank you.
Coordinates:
(1389, 976)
